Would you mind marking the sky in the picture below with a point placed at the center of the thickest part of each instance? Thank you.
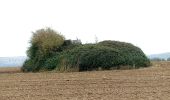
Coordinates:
(144, 23)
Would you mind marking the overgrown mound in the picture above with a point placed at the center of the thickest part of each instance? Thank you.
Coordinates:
(130, 54)
(104, 55)
(49, 51)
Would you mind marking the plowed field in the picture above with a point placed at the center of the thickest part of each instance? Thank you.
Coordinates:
(151, 83)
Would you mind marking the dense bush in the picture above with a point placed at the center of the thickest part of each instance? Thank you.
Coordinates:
(130, 54)
(68, 45)
(105, 55)
(44, 43)
(52, 62)
(49, 51)
(28, 66)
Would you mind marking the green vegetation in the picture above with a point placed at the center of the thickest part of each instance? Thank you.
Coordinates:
(44, 43)
(49, 51)
(129, 54)
(104, 55)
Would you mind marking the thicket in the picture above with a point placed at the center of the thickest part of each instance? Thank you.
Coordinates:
(44, 44)
(129, 54)
(104, 55)
(50, 51)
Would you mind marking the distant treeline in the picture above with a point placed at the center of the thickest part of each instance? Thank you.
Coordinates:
(159, 59)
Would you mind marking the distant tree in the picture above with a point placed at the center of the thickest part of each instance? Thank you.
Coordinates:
(44, 43)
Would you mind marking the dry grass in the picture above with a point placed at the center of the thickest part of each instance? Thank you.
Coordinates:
(10, 70)
(139, 84)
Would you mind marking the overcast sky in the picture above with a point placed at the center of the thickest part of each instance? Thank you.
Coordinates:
(144, 23)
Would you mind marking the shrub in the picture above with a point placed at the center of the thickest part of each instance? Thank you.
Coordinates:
(44, 43)
(52, 62)
(68, 45)
(105, 55)
(130, 54)
(28, 66)
(46, 40)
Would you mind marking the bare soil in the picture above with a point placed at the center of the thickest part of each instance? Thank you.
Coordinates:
(9, 70)
(151, 83)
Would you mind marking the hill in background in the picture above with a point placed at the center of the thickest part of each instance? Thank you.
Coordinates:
(12, 61)
(161, 56)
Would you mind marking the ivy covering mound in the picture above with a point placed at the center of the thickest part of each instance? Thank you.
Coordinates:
(129, 54)
(104, 55)
(66, 55)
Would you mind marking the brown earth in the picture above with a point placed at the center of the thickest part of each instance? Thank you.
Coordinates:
(9, 70)
(151, 83)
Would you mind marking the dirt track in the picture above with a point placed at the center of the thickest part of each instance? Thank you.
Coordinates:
(142, 84)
